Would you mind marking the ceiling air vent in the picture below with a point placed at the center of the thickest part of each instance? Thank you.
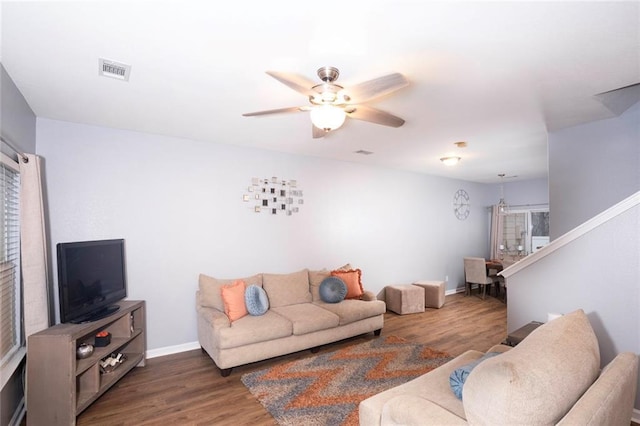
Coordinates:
(114, 69)
(363, 152)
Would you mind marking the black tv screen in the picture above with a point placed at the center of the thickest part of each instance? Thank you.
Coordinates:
(91, 278)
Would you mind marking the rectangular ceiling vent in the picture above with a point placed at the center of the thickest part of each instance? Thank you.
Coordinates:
(114, 69)
(363, 152)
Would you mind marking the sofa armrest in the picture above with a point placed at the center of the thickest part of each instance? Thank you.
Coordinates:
(610, 399)
(215, 318)
(413, 410)
(368, 296)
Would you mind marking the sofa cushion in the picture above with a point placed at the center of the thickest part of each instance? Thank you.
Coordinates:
(210, 289)
(251, 329)
(233, 299)
(538, 381)
(354, 310)
(315, 279)
(352, 279)
(287, 289)
(256, 300)
(307, 318)
(332, 290)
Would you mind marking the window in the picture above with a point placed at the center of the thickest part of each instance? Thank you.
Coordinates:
(525, 231)
(10, 300)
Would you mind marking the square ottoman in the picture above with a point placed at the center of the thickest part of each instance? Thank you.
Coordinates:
(433, 293)
(404, 299)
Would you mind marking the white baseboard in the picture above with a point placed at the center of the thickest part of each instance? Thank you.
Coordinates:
(454, 291)
(169, 350)
(635, 417)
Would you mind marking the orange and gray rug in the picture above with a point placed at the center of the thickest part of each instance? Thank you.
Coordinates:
(326, 389)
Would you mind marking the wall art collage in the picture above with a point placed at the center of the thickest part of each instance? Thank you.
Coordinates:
(274, 196)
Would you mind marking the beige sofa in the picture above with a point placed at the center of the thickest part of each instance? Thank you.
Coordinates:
(552, 377)
(297, 319)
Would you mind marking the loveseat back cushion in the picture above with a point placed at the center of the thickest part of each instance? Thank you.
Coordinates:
(315, 279)
(538, 381)
(211, 289)
(287, 289)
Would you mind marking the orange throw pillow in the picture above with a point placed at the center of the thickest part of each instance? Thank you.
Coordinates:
(233, 298)
(352, 279)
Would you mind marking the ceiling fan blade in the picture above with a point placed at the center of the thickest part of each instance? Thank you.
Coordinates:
(367, 113)
(375, 88)
(296, 82)
(275, 111)
(317, 132)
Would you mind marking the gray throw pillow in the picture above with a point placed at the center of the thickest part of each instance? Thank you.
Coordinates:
(332, 290)
(256, 300)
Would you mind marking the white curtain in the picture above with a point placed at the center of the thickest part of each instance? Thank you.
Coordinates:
(496, 232)
(33, 246)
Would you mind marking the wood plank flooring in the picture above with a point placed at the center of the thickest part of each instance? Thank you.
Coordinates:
(187, 389)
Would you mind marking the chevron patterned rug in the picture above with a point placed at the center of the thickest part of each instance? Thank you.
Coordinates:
(326, 389)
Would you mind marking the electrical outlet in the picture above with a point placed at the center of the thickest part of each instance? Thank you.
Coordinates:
(446, 278)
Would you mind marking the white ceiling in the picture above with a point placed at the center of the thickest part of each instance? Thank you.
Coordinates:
(497, 75)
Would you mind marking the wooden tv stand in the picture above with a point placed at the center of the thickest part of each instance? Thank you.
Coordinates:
(60, 386)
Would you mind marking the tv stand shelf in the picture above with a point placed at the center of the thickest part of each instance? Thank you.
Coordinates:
(60, 386)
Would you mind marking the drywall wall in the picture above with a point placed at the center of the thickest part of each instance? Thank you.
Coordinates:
(592, 167)
(599, 273)
(178, 204)
(17, 120)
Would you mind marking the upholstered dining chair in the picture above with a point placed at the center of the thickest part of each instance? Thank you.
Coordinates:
(475, 272)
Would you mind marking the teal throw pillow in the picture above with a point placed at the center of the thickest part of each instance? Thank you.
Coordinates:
(459, 375)
(332, 290)
(256, 300)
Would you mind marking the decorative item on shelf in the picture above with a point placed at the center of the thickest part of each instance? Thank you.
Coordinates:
(103, 338)
(274, 196)
(110, 363)
(84, 351)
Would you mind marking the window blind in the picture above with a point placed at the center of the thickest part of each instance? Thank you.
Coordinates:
(10, 315)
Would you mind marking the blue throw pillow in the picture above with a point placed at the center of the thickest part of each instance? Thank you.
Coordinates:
(459, 375)
(256, 300)
(332, 290)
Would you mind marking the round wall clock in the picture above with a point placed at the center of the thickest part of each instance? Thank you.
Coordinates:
(461, 204)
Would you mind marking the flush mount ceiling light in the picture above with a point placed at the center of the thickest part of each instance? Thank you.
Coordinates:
(327, 117)
(450, 161)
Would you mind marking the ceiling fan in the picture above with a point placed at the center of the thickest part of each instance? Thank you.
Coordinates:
(331, 103)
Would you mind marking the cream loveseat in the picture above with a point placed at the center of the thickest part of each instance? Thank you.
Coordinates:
(552, 377)
(297, 318)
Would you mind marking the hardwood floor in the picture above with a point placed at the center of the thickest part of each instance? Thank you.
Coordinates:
(187, 389)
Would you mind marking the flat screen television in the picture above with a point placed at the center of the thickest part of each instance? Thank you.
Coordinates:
(91, 278)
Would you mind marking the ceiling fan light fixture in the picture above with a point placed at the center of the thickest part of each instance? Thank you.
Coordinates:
(327, 117)
(450, 161)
